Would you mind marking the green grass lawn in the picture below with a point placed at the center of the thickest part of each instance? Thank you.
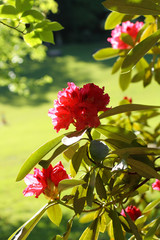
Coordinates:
(29, 126)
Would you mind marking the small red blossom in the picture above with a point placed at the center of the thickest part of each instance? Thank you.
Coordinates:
(45, 181)
(132, 211)
(79, 106)
(128, 99)
(156, 185)
(128, 27)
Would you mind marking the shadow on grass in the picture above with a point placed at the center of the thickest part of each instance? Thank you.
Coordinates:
(75, 65)
(45, 229)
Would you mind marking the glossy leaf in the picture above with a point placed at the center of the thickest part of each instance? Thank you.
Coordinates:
(126, 108)
(106, 53)
(23, 232)
(151, 206)
(113, 19)
(149, 235)
(136, 53)
(133, 227)
(127, 39)
(54, 213)
(138, 7)
(122, 165)
(69, 226)
(45, 163)
(90, 195)
(143, 169)
(124, 80)
(77, 158)
(73, 137)
(139, 222)
(69, 183)
(36, 156)
(88, 217)
(117, 133)
(92, 232)
(79, 201)
(117, 228)
(137, 151)
(53, 26)
(70, 151)
(100, 189)
(117, 65)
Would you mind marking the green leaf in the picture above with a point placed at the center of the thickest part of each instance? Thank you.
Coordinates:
(127, 39)
(136, 53)
(133, 227)
(53, 26)
(88, 217)
(23, 5)
(118, 233)
(69, 183)
(143, 169)
(117, 65)
(36, 156)
(113, 19)
(151, 206)
(137, 151)
(106, 53)
(100, 189)
(32, 39)
(23, 232)
(54, 213)
(8, 12)
(73, 137)
(149, 235)
(58, 237)
(124, 80)
(70, 151)
(116, 133)
(90, 195)
(32, 16)
(92, 232)
(122, 165)
(136, 7)
(77, 158)
(47, 36)
(45, 163)
(139, 222)
(126, 108)
(79, 201)
(69, 226)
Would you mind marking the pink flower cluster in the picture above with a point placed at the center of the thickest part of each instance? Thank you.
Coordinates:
(79, 106)
(132, 211)
(45, 181)
(128, 27)
(156, 185)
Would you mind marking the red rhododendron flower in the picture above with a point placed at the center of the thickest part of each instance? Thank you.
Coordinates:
(79, 106)
(45, 181)
(128, 99)
(128, 27)
(132, 211)
(156, 185)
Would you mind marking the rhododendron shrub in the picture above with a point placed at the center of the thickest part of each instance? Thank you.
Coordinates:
(112, 154)
(79, 106)
(129, 28)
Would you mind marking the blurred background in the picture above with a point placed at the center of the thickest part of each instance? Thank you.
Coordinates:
(29, 82)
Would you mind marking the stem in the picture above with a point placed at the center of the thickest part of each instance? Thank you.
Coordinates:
(89, 134)
(15, 28)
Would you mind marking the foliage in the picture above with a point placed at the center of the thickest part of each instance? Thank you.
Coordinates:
(24, 19)
(149, 36)
(113, 162)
